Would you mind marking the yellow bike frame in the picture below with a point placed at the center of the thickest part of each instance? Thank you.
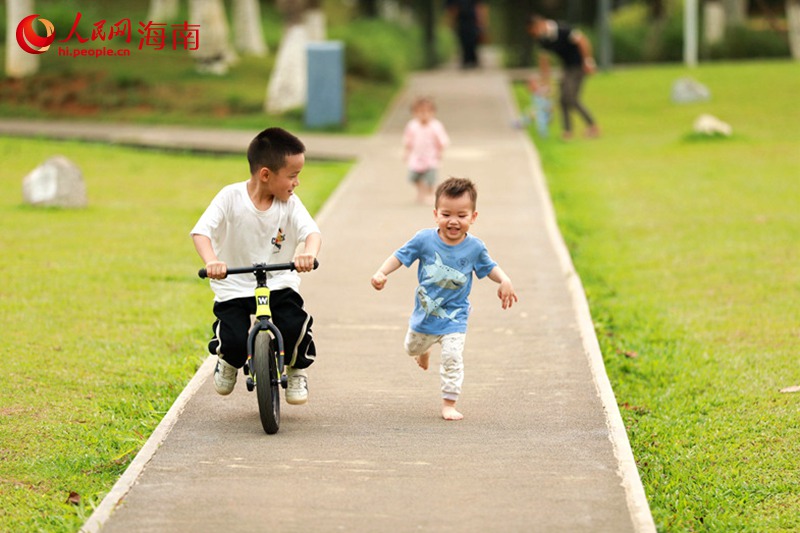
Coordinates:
(263, 316)
(262, 303)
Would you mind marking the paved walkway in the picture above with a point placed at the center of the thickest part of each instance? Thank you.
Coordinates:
(542, 447)
(174, 137)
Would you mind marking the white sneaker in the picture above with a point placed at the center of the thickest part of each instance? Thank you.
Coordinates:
(224, 377)
(297, 388)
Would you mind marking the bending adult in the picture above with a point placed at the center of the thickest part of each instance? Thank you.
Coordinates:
(574, 50)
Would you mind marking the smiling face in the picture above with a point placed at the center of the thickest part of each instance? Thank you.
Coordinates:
(454, 216)
(281, 184)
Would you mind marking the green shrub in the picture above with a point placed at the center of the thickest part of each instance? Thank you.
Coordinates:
(741, 42)
(378, 50)
(636, 38)
(628, 32)
(446, 46)
(665, 38)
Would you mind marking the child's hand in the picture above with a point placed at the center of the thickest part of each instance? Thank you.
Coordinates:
(216, 270)
(304, 262)
(506, 294)
(379, 280)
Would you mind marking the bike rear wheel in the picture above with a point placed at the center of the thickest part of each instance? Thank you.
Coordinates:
(265, 367)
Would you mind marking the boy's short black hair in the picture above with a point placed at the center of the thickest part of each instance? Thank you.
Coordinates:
(455, 187)
(271, 147)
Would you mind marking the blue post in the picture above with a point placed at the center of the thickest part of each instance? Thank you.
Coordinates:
(325, 103)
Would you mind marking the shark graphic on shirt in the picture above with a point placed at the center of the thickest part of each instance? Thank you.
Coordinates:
(433, 307)
(444, 276)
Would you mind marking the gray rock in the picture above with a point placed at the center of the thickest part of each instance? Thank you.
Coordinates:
(57, 182)
(687, 90)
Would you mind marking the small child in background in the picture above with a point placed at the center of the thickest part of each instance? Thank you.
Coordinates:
(424, 140)
(541, 108)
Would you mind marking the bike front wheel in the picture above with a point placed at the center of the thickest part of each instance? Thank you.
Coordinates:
(265, 368)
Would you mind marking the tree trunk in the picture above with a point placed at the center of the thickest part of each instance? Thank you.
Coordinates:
(19, 63)
(163, 10)
(519, 45)
(248, 32)
(605, 45)
(289, 80)
(793, 21)
(657, 9)
(426, 17)
(368, 8)
(292, 11)
(735, 12)
(215, 53)
(392, 11)
(315, 21)
(714, 21)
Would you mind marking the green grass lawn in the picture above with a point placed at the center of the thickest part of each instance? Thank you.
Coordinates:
(688, 250)
(104, 317)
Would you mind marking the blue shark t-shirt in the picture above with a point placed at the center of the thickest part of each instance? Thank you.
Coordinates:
(441, 303)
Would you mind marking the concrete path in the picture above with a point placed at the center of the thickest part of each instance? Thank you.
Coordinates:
(174, 137)
(542, 446)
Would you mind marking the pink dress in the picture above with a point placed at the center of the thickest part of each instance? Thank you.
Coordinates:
(424, 143)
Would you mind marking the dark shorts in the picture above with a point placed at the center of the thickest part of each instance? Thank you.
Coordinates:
(424, 176)
(233, 324)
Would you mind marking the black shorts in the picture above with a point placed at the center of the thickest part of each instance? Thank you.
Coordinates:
(233, 324)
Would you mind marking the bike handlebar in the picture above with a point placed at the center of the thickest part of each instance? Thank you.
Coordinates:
(262, 267)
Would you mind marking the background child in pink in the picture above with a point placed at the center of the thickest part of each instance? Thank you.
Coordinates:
(424, 139)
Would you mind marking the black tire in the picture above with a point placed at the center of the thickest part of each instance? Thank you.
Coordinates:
(267, 382)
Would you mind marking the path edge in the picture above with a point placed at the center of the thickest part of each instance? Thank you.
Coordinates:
(128, 479)
(638, 506)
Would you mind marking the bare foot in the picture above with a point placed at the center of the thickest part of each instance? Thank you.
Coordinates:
(449, 411)
(422, 360)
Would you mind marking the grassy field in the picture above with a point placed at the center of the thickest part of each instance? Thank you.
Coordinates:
(104, 317)
(688, 249)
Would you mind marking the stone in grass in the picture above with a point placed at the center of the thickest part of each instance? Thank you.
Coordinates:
(711, 126)
(688, 90)
(57, 182)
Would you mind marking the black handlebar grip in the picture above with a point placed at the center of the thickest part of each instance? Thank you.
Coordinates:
(203, 274)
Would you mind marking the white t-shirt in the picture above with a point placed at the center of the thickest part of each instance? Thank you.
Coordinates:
(242, 235)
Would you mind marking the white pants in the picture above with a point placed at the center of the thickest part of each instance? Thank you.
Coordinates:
(451, 368)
